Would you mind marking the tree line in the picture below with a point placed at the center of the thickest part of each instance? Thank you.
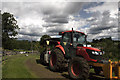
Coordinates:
(109, 46)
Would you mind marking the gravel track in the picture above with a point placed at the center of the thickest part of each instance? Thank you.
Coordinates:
(42, 71)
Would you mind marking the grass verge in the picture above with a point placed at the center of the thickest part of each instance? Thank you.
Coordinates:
(14, 67)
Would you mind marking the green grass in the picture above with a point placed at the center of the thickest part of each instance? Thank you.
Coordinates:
(15, 67)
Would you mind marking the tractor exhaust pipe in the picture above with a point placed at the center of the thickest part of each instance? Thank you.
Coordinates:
(72, 36)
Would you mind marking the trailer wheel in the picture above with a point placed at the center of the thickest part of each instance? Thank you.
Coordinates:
(42, 58)
(78, 68)
(57, 60)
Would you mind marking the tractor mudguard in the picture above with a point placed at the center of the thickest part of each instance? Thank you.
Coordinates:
(61, 48)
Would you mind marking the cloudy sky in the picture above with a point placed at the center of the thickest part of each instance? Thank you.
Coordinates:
(96, 19)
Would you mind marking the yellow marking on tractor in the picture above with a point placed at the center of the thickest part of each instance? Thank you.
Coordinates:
(47, 42)
(64, 43)
(108, 69)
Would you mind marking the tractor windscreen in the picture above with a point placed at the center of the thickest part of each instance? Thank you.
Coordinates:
(79, 38)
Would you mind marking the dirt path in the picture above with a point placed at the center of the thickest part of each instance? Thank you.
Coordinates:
(42, 71)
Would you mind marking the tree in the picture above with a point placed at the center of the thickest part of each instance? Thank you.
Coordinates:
(0, 29)
(42, 47)
(43, 38)
(9, 30)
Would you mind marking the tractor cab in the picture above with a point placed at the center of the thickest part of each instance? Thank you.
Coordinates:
(73, 38)
(79, 39)
(70, 40)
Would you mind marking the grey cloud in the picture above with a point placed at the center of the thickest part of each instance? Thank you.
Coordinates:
(56, 30)
(52, 34)
(34, 36)
(30, 38)
(118, 29)
(51, 25)
(58, 15)
(58, 20)
(97, 14)
(94, 31)
(48, 10)
(105, 36)
(103, 24)
(74, 7)
(97, 30)
(30, 34)
(61, 16)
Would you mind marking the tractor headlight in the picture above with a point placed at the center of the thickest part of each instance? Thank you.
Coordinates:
(95, 53)
(101, 53)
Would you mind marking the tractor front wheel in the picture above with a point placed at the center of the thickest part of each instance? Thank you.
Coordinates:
(78, 68)
(57, 60)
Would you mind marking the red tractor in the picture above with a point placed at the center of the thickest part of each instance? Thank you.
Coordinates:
(71, 51)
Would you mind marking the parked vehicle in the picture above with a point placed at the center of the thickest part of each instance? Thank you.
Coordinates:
(72, 51)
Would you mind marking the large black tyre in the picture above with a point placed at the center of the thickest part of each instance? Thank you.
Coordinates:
(57, 60)
(42, 57)
(98, 70)
(78, 68)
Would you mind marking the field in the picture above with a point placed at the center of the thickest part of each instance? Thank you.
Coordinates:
(14, 67)
(21, 66)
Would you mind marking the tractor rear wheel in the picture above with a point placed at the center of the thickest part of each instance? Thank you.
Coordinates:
(78, 68)
(57, 60)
